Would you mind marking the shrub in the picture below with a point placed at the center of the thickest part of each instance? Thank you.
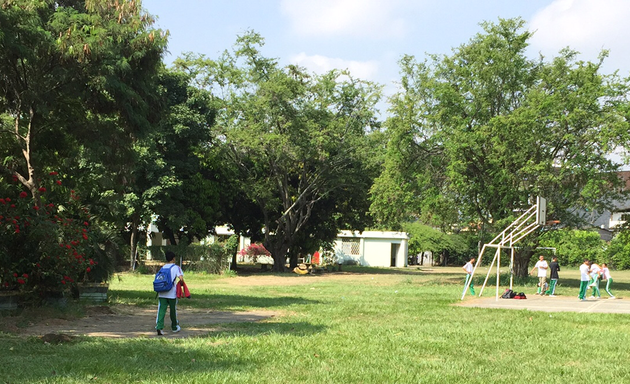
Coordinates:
(46, 242)
(256, 251)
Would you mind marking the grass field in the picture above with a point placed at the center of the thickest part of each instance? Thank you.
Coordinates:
(363, 326)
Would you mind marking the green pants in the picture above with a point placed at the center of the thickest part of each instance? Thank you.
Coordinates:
(608, 284)
(552, 287)
(595, 284)
(583, 288)
(472, 286)
(162, 304)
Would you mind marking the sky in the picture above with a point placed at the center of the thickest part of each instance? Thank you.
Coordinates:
(368, 37)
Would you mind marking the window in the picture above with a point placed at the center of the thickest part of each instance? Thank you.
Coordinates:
(350, 246)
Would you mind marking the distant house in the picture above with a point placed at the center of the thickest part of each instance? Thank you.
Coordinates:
(607, 221)
(373, 248)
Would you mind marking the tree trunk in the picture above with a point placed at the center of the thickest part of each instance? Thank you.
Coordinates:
(133, 242)
(233, 264)
(521, 263)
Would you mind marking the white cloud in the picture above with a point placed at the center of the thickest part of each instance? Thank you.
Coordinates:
(587, 26)
(364, 70)
(371, 18)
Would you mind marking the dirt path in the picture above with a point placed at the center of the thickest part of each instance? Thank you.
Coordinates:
(125, 322)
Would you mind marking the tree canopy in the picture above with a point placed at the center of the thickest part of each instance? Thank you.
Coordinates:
(476, 135)
(297, 142)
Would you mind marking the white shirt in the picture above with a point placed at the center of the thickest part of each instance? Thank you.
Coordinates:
(594, 269)
(606, 274)
(584, 273)
(468, 267)
(175, 272)
(542, 268)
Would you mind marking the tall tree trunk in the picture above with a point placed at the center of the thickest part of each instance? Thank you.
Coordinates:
(133, 242)
(521, 262)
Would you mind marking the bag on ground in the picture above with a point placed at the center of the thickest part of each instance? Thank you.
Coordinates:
(508, 294)
(162, 281)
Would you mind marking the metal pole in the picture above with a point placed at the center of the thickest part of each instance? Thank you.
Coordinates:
(488, 274)
(498, 271)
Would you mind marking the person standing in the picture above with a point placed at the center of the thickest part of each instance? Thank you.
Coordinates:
(595, 270)
(468, 267)
(584, 279)
(554, 267)
(606, 276)
(542, 267)
(169, 298)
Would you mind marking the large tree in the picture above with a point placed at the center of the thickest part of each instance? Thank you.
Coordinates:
(476, 135)
(297, 142)
(74, 75)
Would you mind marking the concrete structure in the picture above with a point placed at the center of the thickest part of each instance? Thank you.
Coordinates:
(373, 248)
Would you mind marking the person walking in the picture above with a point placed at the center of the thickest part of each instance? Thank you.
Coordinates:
(584, 279)
(468, 267)
(554, 267)
(542, 267)
(595, 271)
(606, 276)
(169, 298)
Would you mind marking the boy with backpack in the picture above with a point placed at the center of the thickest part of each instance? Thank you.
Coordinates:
(164, 285)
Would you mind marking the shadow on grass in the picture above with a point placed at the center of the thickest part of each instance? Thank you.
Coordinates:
(212, 301)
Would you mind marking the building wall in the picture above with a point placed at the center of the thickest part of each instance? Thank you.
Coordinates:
(372, 248)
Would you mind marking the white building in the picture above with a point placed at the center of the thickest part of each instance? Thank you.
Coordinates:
(373, 248)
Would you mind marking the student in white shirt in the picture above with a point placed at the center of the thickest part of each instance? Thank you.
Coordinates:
(606, 276)
(584, 279)
(468, 267)
(542, 266)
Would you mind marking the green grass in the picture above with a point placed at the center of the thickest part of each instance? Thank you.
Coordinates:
(369, 326)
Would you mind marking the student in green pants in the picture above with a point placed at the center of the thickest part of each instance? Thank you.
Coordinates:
(168, 299)
(606, 276)
(584, 279)
(554, 267)
(468, 267)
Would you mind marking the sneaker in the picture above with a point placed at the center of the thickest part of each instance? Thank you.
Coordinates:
(612, 298)
(160, 333)
(592, 297)
(177, 329)
(552, 295)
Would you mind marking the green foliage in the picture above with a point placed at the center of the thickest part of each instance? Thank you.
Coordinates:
(212, 258)
(474, 136)
(297, 145)
(424, 238)
(617, 254)
(573, 246)
(48, 245)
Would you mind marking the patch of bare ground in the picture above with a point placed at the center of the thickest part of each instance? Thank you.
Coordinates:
(123, 321)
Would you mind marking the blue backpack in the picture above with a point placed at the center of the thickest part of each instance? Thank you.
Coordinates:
(162, 281)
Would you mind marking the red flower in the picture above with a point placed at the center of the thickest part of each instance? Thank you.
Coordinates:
(53, 173)
(17, 230)
(35, 207)
(63, 281)
(14, 274)
(2, 201)
(21, 281)
(8, 200)
(12, 205)
(91, 262)
(86, 223)
(88, 269)
(58, 182)
(42, 189)
(25, 275)
(85, 236)
(23, 194)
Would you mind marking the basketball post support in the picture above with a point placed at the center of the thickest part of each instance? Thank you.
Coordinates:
(525, 224)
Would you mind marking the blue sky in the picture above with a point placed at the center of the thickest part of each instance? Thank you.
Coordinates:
(368, 37)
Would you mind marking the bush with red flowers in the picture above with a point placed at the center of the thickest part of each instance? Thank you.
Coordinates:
(45, 242)
(256, 251)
